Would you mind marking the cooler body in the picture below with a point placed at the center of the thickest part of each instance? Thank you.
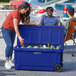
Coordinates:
(40, 58)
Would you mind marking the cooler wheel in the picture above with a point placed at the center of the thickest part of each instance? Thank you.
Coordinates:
(57, 68)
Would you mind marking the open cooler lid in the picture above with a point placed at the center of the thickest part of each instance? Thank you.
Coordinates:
(33, 34)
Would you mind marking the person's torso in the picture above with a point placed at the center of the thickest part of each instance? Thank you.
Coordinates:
(8, 23)
(50, 21)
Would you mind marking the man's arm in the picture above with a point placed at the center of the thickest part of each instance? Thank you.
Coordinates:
(57, 21)
(42, 21)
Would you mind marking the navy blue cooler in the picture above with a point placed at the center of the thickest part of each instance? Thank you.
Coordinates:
(40, 58)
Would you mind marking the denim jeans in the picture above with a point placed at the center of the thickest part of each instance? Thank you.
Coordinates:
(9, 37)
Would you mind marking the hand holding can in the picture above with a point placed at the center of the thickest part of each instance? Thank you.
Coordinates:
(21, 41)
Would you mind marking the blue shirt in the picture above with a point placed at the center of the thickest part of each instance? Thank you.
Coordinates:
(49, 20)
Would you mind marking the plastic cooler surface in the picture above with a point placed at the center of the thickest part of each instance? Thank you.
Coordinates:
(33, 34)
(39, 59)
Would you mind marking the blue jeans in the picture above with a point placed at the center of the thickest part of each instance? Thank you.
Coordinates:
(9, 37)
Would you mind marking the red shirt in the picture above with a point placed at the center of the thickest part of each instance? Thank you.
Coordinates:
(17, 3)
(8, 23)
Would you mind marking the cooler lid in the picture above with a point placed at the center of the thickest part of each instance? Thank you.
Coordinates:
(33, 34)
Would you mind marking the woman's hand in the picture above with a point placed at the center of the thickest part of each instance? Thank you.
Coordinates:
(35, 24)
(21, 40)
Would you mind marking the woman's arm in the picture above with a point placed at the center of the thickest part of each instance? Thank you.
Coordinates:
(31, 24)
(15, 21)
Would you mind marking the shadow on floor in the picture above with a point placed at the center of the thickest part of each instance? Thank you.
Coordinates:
(69, 66)
(1, 37)
(4, 72)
